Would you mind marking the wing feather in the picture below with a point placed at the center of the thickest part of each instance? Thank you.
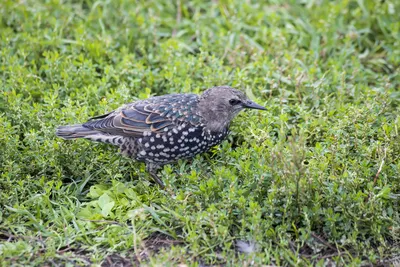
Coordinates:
(151, 115)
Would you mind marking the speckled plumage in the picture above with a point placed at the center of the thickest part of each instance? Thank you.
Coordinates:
(163, 129)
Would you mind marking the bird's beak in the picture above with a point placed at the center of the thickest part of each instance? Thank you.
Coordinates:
(251, 104)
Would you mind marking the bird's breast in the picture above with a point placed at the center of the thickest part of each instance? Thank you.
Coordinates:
(181, 141)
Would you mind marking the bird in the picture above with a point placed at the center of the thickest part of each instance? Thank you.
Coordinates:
(162, 129)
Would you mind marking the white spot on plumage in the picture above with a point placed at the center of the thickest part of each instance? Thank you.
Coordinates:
(142, 153)
(146, 144)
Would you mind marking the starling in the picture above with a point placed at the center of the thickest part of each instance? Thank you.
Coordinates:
(162, 129)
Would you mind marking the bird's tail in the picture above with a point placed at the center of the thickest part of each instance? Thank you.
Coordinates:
(74, 131)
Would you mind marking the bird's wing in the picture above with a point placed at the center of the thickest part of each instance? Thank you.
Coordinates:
(151, 115)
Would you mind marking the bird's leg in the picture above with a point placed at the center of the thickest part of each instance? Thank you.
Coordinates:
(157, 180)
(152, 170)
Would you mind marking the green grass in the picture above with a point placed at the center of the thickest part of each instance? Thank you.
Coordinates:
(313, 180)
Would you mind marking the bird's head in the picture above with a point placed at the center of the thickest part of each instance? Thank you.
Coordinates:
(219, 105)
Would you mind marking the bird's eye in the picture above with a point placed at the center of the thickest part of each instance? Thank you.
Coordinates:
(234, 102)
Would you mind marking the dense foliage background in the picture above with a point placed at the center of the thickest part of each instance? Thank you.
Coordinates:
(312, 180)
